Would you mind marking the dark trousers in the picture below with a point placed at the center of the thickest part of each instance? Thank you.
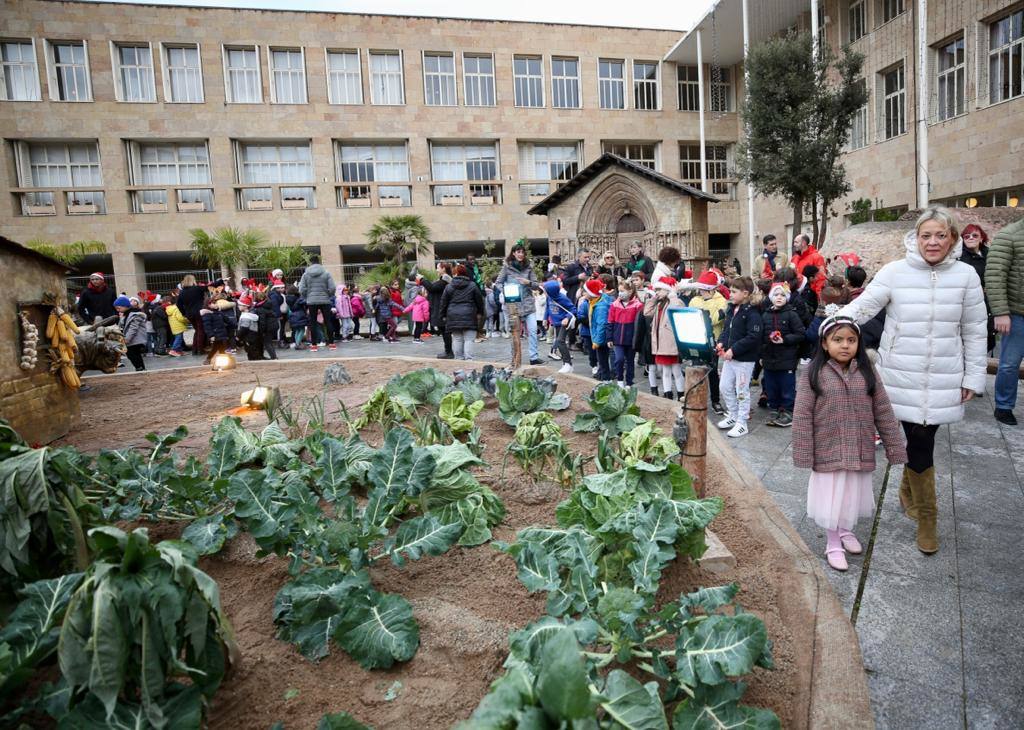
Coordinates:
(588, 348)
(328, 334)
(713, 382)
(561, 345)
(281, 323)
(268, 346)
(135, 356)
(162, 334)
(604, 370)
(392, 328)
(417, 330)
(355, 325)
(446, 337)
(780, 388)
(920, 446)
(624, 356)
(199, 338)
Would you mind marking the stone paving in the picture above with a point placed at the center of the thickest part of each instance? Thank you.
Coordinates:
(942, 636)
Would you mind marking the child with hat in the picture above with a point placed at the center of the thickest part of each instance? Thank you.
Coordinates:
(711, 301)
(602, 295)
(780, 354)
(663, 339)
(589, 292)
(132, 322)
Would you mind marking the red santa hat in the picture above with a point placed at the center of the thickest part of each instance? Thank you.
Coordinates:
(706, 281)
(277, 284)
(245, 300)
(594, 287)
(99, 274)
(665, 282)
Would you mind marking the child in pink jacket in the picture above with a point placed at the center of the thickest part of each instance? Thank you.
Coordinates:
(420, 309)
(343, 308)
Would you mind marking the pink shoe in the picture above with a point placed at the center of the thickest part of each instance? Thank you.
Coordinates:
(850, 542)
(834, 553)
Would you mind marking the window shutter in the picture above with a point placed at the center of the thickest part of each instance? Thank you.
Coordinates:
(527, 169)
(981, 93)
(879, 107)
(932, 61)
(22, 163)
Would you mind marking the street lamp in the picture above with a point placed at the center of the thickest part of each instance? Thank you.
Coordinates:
(223, 361)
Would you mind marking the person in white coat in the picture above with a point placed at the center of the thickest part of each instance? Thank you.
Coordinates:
(932, 351)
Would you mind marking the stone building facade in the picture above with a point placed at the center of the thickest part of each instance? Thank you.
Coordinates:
(34, 402)
(301, 64)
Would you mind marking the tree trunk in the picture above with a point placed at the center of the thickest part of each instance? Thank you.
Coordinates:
(798, 214)
(814, 220)
(825, 204)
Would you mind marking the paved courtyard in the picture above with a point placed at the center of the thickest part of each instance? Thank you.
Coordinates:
(942, 635)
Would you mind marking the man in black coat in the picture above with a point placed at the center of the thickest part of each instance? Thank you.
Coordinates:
(96, 300)
(435, 293)
(576, 273)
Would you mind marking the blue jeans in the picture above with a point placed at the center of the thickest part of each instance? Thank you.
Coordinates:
(1011, 353)
(623, 363)
(780, 388)
(530, 320)
(179, 342)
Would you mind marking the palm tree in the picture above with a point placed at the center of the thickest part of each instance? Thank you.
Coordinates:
(227, 249)
(67, 253)
(280, 256)
(397, 237)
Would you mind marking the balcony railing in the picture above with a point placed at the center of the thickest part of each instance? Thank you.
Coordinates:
(47, 201)
(154, 198)
(459, 193)
(286, 196)
(369, 194)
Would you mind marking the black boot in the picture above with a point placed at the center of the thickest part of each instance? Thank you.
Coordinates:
(446, 356)
(668, 394)
(654, 390)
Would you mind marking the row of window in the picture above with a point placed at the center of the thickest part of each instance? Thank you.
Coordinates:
(185, 166)
(620, 82)
(1005, 81)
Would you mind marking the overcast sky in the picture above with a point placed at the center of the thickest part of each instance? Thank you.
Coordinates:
(668, 14)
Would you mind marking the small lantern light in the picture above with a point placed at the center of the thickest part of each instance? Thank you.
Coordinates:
(1012, 201)
(261, 397)
(971, 202)
(223, 361)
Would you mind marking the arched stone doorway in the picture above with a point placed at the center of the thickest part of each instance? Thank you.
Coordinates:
(614, 201)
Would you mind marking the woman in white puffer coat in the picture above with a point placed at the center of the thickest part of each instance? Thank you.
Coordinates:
(932, 352)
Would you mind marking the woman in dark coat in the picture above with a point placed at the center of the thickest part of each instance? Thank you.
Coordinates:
(461, 303)
(435, 292)
(976, 254)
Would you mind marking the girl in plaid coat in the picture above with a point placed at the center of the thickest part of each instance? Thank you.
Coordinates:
(840, 403)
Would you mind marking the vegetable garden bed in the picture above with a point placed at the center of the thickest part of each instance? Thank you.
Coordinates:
(469, 600)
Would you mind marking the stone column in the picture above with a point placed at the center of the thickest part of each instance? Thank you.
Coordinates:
(129, 272)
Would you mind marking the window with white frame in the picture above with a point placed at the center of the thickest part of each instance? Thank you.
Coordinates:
(478, 79)
(183, 74)
(859, 125)
(386, 84)
(271, 163)
(952, 79)
(548, 160)
(69, 71)
(894, 100)
(287, 76)
(822, 39)
(689, 88)
(721, 89)
(170, 164)
(344, 78)
(644, 153)
(716, 165)
(645, 85)
(528, 75)
(134, 72)
(242, 70)
(891, 9)
(379, 162)
(469, 162)
(857, 16)
(62, 165)
(565, 83)
(20, 78)
(1006, 57)
(439, 79)
(611, 83)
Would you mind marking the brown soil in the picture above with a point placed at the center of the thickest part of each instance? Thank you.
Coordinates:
(466, 601)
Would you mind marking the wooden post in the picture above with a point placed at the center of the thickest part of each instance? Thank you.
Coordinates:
(695, 413)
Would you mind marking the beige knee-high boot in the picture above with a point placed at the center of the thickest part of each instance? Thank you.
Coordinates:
(922, 488)
(906, 498)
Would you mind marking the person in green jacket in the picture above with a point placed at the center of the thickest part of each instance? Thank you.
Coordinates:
(1004, 285)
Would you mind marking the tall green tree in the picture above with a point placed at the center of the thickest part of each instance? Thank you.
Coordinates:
(280, 256)
(799, 111)
(397, 237)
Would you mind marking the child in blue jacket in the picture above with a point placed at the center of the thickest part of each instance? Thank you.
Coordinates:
(600, 332)
(559, 312)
